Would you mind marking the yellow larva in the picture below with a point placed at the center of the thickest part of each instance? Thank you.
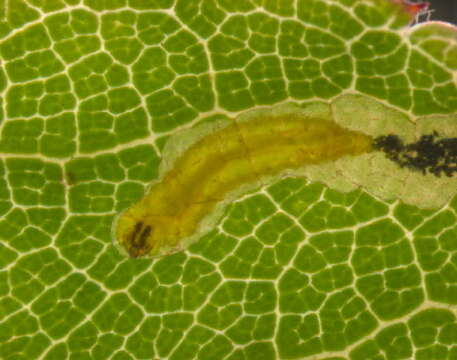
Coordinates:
(219, 163)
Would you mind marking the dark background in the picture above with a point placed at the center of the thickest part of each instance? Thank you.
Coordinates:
(444, 10)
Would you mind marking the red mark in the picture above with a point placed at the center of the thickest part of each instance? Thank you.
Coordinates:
(416, 9)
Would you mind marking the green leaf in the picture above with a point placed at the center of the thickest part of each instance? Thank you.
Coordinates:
(92, 90)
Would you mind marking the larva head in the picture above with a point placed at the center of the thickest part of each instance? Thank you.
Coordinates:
(133, 233)
(134, 237)
(141, 234)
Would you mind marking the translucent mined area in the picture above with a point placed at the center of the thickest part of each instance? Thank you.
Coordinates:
(211, 171)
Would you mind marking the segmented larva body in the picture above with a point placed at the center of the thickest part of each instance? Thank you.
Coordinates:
(221, 162)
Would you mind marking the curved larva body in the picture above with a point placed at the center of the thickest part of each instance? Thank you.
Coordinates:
(222, 161)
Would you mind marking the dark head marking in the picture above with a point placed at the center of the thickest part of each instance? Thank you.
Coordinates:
(141, 240)
(135, 231)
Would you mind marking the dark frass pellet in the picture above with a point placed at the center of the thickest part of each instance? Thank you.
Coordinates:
(429, 154)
